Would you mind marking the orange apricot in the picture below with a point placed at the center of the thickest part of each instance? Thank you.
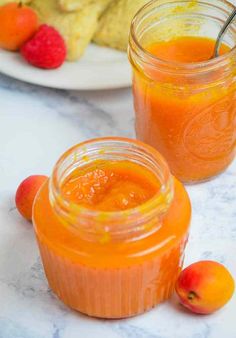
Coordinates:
(18, 24)
(26, 193)
(205, 287)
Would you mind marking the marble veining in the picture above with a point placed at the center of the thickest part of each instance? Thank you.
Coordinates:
(36, 126)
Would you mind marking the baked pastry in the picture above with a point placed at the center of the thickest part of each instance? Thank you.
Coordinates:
(114, 25)
(73, 5)
(77, 28)
(3, 2)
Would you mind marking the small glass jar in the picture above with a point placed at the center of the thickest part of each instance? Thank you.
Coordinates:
(187, 111)
(112, 264)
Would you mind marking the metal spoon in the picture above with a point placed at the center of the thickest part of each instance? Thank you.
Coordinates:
(222, 33)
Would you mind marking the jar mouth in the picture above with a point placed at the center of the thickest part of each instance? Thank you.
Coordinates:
(150, 58)
(54, 180)
(73, 213)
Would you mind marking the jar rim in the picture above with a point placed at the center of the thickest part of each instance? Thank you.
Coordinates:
(207, 65)
(91, 212)
(94, 223)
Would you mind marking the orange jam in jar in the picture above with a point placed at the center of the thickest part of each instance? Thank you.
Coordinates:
(185, 100)
(112, 225)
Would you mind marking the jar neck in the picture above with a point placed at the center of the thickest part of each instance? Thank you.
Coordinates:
(163, 20)
(105, 226)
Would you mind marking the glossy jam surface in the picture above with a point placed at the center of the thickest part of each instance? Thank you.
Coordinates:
(190, 120)
(119, 278)
(110, 185)
(186, 49)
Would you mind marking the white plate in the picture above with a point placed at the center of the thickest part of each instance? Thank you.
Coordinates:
(100, 68)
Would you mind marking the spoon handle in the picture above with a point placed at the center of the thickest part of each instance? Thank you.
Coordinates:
(222, 32)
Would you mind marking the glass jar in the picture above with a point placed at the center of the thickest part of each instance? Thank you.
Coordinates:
(187, 111)
(112, 264)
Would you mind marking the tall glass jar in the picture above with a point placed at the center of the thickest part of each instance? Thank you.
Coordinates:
(112, 264)
(187, 111)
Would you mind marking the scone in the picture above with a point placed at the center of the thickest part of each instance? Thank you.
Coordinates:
(3, 2)
(77, 28)
(114, 25)
(73, 5)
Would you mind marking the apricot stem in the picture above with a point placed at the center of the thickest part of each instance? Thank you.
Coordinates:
(192, 295)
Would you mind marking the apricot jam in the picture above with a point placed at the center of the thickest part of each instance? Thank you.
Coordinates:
(110, 185)
(184, 100)
(112, 225)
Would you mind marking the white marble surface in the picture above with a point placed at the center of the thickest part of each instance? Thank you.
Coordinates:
(36, 126)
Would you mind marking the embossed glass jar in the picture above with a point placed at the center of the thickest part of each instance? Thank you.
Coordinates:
(187, 111)
(112, 264)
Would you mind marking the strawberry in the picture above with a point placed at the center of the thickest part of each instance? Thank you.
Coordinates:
(46, 49)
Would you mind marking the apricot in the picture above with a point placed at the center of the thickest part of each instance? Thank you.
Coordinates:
(18, 25)
(26, 193)
(205, 287)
